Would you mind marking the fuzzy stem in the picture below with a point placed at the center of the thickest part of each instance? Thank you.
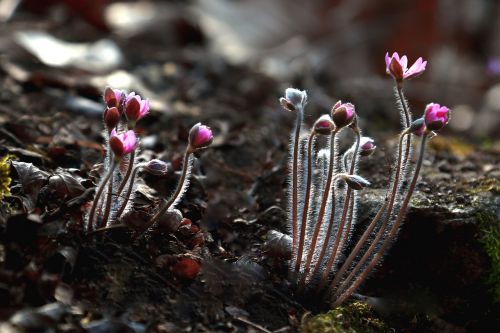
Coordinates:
(306, 200)
(99, 193)
(295, 177)
(324, 202)
(129, 191)
(407, 118)
(178, 191)
(107, 208)
(345, 209)
(127, 174)
(381, 232)
(393, 232)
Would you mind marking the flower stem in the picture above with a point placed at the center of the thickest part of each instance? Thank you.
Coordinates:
(407, 120)
(130, 167)
(295, 178)
(107, 208)
(380, 233)
(186, 167)
(393, 232)
(324, 202)
(129, 191)
(345, 209)
(99, 193)
(306, 201)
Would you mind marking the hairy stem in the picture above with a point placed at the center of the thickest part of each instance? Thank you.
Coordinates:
(99, 193)
(407, 120)
(109, 198)
(127, 174)
(345, 209)
(129, 191)
(395, 227)
(295, 178)
(383, 227)
(306, 200)
(324, 202)
(178, 191)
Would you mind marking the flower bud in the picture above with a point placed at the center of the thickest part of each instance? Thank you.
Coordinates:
(417, 127)
(324, 125)
(436, 116)
(200, 136)
(294, 99)
(111, 118)
(278, 245)
(135, 107)
(113, 97)
(342, 114)
(170, 221)
(366, 146)
(123, 143)
(355, 182)
(156, 167)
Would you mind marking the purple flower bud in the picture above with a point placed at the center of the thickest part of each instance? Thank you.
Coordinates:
(123, 143)
(342, 114)
(355, 182)
(417, 127)
(113, 97)
(436, 116)
(200, 136)
(136, 107)
(366, 146)
(111, 117)
(157, 167)
(324, 125)
(397, 67)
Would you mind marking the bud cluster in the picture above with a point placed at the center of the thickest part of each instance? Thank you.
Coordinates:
(323, 195)
(117, 186)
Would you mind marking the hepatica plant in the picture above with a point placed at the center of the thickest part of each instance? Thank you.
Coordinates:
(114, 194)
(323, 187)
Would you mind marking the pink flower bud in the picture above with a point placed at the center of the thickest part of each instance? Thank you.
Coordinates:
(157, 167)
(111, 118)
(356, 182)
(324, 125)
(342, 114)
(436, 116)
(123, 143)
(136, 107)
(397, 67)
(113, 97)
(366, 146)
(200, 136)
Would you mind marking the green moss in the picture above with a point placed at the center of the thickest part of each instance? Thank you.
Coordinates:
(5, 179)
(355, 317)
(490, 239)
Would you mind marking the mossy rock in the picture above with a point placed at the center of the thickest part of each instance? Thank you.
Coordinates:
(355, 317)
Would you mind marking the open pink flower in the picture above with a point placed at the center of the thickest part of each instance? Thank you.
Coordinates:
(398, 68)
(436, 116)
(342, 114)
(200, 136)
(136, 107)
(122, 143)
(113, 97)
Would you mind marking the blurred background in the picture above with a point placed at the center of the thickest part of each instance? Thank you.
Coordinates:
(332, 48)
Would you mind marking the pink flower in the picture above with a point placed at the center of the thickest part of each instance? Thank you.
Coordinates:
(342, 114)
(366, 146)
(324, 125)
(123, 143)
(113, 97)
(200, 136)
(398, 69)
(136, 107)
(436, 116)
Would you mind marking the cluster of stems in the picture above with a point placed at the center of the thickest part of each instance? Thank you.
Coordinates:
(115, 192)
(323, 198)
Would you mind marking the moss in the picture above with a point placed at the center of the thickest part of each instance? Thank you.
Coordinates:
(355, 317)
(485, 185)
(5, 179)
(454, 146)
(490, 239)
